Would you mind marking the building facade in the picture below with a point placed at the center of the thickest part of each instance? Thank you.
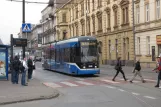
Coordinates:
(148, 31)
(110, 21)
(34, 42)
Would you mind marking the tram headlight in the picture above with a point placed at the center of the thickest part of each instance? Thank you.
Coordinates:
(84, 67)
(95, 66)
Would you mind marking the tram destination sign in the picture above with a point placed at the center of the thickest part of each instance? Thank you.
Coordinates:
(18, 42)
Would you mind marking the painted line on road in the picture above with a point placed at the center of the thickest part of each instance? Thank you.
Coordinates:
(110, 87)
(160, 87)
(110, 81)
(84, 83)
(121, 90)
(69, 84)
(81, 79)
(135, 93)
(150, 80)
(132, 81)
(52, 85)
(150, 97)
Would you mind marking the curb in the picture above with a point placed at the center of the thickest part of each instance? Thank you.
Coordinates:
(32, 99)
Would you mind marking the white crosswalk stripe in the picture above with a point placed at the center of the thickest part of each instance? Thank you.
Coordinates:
(150, 80)
(150, 97)
(53, 85)
(132, 81)
(110, 81)
(84, 83)
(69, 84)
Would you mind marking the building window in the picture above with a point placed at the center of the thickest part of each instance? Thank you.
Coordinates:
(138, 43)
(93, 4)
(125, 15)
(82, 8)
(116, 41)
(157, 9)
(88, 5)
(88, 25)
(99, 3)
(100, 23)
(93, 20)
(115, 16)
(76, 27)
(76, 13)
(147, 12)
(137, 15)
(73, 13)
(109, 20)
(148, 45)
(64, 17)
(83, 29)
(109, 49)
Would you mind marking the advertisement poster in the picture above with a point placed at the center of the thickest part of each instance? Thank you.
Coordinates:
(2, 64)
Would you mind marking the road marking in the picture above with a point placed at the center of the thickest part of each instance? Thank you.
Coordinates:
(135, 93)
(53, 85)
(84, 83)
(150, 80)
(132, 81)
(109, 81)
(110, 87)
(69, 84)
(121, 90)
(150, 97)
(160, 87)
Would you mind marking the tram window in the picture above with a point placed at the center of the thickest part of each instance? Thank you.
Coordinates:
(66, 55)
(57, 55)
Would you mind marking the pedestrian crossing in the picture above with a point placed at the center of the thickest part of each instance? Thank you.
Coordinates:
(89, 82)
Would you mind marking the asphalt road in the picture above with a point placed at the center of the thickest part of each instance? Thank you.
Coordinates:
(95, 91)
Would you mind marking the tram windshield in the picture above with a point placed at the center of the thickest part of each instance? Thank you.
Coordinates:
(89, 51)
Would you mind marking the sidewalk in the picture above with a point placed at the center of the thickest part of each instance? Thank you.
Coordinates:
(13, 93)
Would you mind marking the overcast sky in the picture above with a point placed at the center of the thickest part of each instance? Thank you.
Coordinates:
(11, 17)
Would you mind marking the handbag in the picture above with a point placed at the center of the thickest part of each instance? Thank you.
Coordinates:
(116, 67)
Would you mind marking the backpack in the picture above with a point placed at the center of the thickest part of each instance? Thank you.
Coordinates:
(16, 64)
(137, 66)
(22, 68)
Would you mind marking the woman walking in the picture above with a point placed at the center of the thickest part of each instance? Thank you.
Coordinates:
(159, 73)
(118, 67)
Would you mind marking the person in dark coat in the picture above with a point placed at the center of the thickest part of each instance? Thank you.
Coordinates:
(15, 67)
(137, 71)
(118, 67)
(159, 73)
(30, 67)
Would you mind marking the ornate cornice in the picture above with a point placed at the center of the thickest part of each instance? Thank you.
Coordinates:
(107, 9)
(114, 7)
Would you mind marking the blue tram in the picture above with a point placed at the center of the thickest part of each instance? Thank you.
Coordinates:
(76, 56)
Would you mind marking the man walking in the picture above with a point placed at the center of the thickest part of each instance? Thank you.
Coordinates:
(137, 72)
(118, 67)
(15, 66)
(159, 73)
(30, 67)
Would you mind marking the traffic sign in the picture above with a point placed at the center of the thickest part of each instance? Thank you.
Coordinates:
(26, 27)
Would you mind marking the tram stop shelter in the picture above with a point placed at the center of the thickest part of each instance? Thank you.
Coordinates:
(4, 62)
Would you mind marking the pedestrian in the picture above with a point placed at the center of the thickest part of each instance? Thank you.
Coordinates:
(137, 71)
(157, 64)
(159, 73)
(118, 67)
(30, 68)
(24, 69)
(15, 67)
(11, 70)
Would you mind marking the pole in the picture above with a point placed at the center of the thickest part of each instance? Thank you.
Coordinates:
(133, 30)
(86, 18)
(11, 47)
(23, 21)
(23, 11)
